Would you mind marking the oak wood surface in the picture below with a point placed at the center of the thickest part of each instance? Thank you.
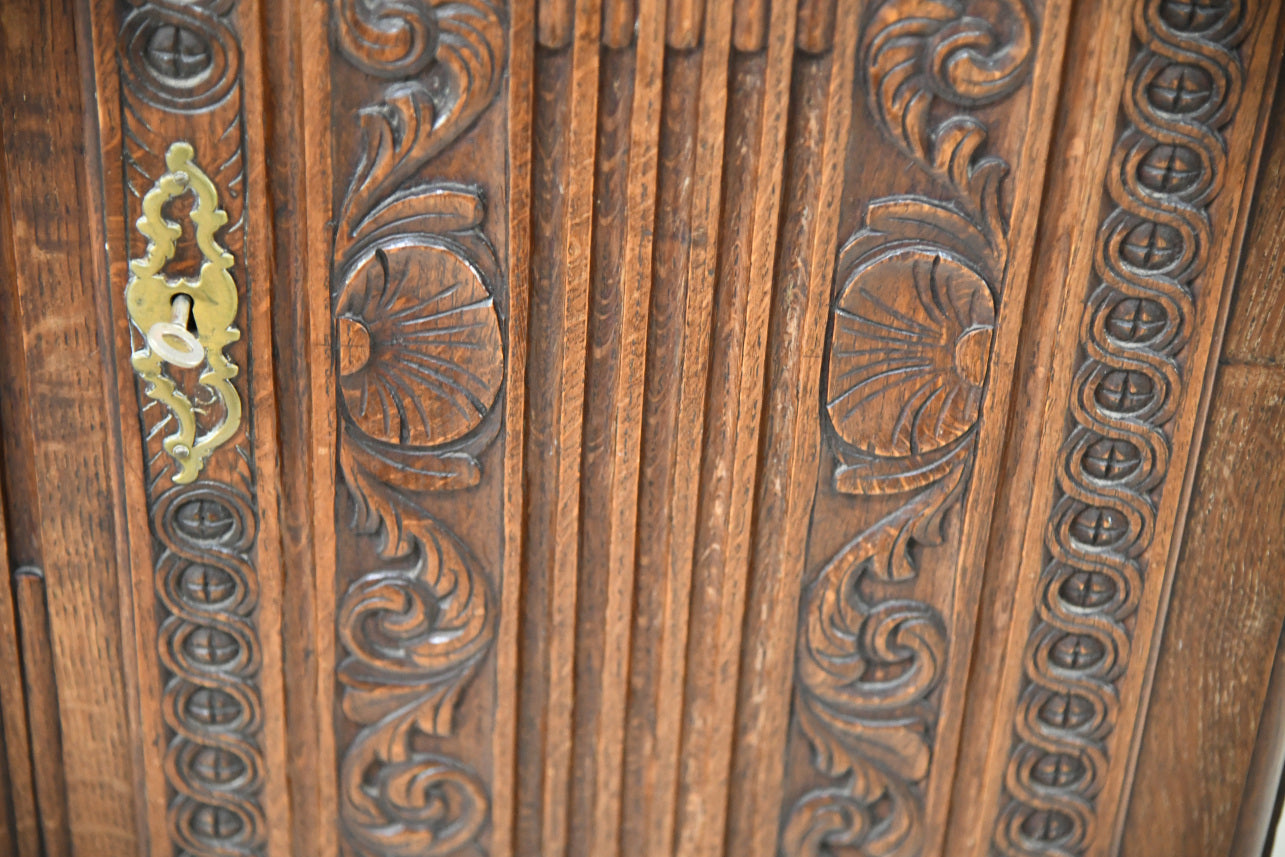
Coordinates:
(670, 427)
(1063, 801)
(1194, 771)
(59, 435)
(203, 557)
(21, 814)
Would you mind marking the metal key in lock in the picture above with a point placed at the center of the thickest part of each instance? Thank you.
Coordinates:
(172, 341)
(165, 310)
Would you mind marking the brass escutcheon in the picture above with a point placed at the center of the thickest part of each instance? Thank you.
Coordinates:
(159, 307)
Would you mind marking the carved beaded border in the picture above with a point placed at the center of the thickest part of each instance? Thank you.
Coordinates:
(1181, 89)
(178, 60)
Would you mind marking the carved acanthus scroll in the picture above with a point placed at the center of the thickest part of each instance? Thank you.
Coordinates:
(420, 362)
(917, 290)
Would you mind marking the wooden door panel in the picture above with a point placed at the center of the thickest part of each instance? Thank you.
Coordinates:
(627, 428)
(420, 310)
(184, 206)
(1223, 758)
(1124, 367)
(925, 307)
(20, 826)
(62, 475)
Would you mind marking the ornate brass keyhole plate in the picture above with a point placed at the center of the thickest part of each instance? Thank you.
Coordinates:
(159, 308)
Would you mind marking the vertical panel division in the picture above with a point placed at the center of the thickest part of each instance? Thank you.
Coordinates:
(182, 81)
(20, 825)
(758, 82)
(626, 155)
(418, 311)
(296, 58)
(944, 168)
(822, 82)
(19, 547)
(1144, 226)
(1210, 749)
(59, 440)
(684, 260)
(563, 143)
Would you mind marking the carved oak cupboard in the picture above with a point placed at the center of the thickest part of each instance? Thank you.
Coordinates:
(641, 428)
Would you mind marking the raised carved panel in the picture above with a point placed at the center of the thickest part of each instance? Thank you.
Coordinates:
(917, 288)
(180, 70)
(209, 644)
(419, 352)
(1181, 90)
(644, 378)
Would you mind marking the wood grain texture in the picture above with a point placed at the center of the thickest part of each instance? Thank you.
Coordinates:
(1109, 480)
(817, 136)
(8, 818)
(417, 312)
(630, 77)
(508, 660)
(62, 424)
(890, 590)
(1221, 633)
(205, 576)
(754, 142)
(1216, 768)
(563, 145)
(1256, 326)
(297, 140)
(21, 814)
(672, 428)
(48, 766)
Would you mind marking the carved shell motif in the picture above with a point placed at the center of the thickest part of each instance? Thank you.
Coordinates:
(910, 343)
(912, 331)
(419, 344)
(420, 360)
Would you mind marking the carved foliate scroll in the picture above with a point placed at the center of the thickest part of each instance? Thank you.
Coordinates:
(420, 360)
(180, 70)
(908, 353)
(1181, 90)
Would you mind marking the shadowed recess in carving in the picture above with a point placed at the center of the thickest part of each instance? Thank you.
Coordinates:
(907, 362)
(420, 359)
(210, 647)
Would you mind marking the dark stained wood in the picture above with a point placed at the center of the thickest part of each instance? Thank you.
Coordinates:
(904, 492)
(297, 129)
(20, 815)
(8, 820)
(63, 428)
(417, 311)
(42, 696)
(1217, 762)
(670, 428)
(203, 552)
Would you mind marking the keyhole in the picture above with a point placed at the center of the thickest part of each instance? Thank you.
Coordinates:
(181, 312)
